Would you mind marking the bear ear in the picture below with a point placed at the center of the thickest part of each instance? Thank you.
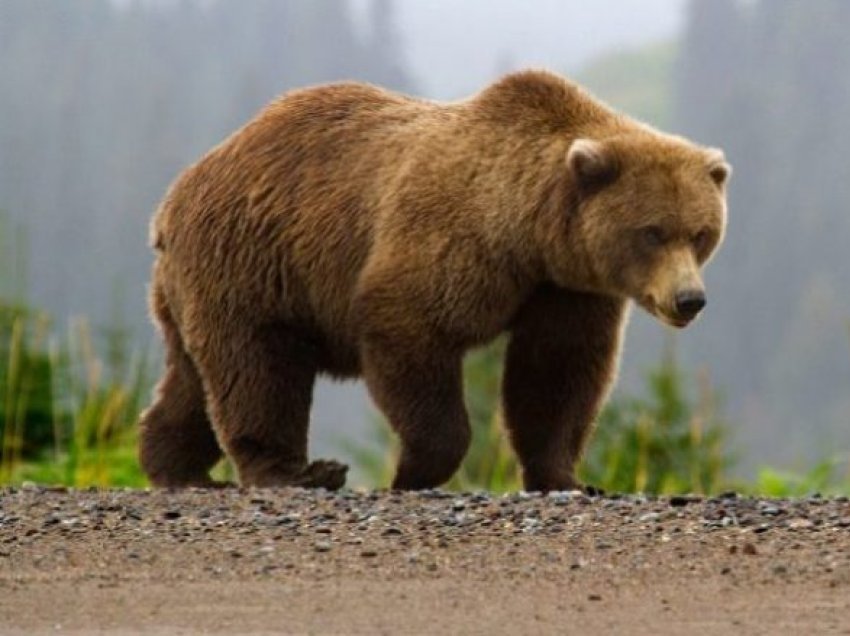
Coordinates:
(592, 164)
(718, 168)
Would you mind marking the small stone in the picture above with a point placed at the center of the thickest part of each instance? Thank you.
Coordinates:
(800, 524)
(779, 568)
(749, 549)
(322, 546)
(649, 517)
(368, 554)
(134, 513)
(594, 597)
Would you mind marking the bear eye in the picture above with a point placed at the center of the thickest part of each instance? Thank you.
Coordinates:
(700, 240)
(653, 236)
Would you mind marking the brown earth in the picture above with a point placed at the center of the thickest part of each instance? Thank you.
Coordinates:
(298, 561)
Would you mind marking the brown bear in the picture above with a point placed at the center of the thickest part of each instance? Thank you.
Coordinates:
(351, 231)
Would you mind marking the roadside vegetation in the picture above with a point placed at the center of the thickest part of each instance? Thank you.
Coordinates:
(672, 438)
(70, 400)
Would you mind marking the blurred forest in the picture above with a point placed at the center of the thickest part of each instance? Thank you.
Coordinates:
(103, 102)
(768, 81)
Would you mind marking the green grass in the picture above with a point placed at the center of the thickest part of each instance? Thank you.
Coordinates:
(827, 477)
(69, 413)
(672, 439)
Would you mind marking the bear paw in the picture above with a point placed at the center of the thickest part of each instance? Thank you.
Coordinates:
(592, 491)
(322, 473)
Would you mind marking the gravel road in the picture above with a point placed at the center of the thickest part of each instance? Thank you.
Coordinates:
(300, 561)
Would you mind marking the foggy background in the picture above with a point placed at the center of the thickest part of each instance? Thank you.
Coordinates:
(103, 102)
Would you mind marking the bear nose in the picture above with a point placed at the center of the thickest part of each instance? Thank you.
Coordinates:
(690, 302)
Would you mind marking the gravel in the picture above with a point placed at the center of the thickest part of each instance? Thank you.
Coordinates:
(296, 537)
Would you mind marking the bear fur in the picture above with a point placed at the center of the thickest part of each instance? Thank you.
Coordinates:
(355, 232)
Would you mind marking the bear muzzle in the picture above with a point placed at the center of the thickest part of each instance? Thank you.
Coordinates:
(680, 310)
(688, 303)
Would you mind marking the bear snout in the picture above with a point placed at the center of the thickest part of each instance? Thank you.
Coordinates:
(688, 303)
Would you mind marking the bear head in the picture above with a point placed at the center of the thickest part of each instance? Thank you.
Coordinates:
(648, 211)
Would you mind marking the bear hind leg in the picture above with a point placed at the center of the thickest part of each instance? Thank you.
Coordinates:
(259, 393)
(177, 444)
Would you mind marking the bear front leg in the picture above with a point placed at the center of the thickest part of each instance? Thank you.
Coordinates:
(419, 390)
(259, 383)
(561, 362)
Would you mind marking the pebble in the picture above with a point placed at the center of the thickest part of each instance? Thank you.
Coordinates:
(800, 524)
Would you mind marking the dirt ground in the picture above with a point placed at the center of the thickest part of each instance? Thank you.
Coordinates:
(297, 561)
